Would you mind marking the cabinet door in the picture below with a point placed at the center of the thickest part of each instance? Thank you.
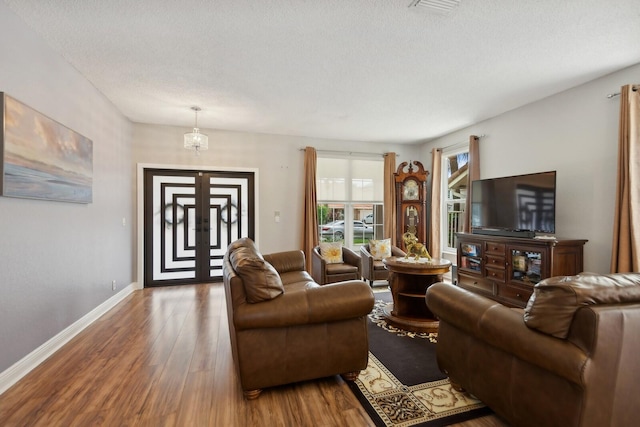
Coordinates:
(527, 264)
(470, 255)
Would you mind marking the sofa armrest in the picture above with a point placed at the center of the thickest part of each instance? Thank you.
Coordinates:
(318, 266)
(351, 257)
(314, 304)
(504, 328)
(396, 251)
(285, 262)
(367, 261)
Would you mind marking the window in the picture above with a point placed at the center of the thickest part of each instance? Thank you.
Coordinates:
(350, 195)
(454, 183)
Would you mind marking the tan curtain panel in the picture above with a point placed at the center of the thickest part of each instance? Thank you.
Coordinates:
(389, 199)
(436, 203)
(474, 173)
(310, 232)
(625, 255)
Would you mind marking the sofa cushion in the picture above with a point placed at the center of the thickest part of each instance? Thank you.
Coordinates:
(261, 281)
(331, 252)
(300, 286)
(380, 249)
(555, 300)
(295, 277)
(342, 268)
(379, 265)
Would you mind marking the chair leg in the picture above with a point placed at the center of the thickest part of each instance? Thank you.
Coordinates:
(252, 394)
(350, 376)
(456, 386)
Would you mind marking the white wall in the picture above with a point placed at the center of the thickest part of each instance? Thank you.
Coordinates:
(575, 133)
(58, 259)
(280, 164)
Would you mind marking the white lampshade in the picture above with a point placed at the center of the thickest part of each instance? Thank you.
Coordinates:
(196, 140)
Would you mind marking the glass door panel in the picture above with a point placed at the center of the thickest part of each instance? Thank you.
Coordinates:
(471, 257)
(525, 266)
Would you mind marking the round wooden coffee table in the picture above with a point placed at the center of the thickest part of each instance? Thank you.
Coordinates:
(409, 280)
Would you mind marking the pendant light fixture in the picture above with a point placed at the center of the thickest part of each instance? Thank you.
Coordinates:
(195, 140)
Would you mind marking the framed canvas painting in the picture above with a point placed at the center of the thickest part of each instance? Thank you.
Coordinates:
(42, 159)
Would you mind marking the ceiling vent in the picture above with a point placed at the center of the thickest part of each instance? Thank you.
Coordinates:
(442, 6)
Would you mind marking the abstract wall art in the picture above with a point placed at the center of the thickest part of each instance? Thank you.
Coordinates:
(42, 159)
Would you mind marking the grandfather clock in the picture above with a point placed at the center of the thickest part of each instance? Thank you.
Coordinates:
(411, 200)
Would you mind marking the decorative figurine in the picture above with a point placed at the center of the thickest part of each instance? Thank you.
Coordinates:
(414, 249)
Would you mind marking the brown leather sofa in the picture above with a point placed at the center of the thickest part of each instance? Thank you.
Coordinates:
(374, 269)
(286, 328)
(571, 358)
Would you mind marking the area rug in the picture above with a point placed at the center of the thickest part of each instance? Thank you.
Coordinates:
(402, 385)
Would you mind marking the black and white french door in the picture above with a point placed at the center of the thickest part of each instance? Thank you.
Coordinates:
(190, 217)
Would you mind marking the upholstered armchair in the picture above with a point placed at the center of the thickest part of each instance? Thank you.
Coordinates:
(340, 265)
(372, 266)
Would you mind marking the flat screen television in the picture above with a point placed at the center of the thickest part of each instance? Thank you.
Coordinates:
(514, 205)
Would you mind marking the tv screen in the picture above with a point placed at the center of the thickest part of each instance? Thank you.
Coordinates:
(515, 203)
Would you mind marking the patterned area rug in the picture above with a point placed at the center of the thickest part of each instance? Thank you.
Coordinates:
(377, 317)
(402, 385)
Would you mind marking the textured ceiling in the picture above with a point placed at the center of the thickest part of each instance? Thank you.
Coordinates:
(371, 70)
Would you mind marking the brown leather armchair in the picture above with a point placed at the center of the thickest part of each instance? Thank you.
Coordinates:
(324, 272)
(374, 269)
(569, 359)
(285, 328)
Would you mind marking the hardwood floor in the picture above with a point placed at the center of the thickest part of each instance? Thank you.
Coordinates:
(162, 357)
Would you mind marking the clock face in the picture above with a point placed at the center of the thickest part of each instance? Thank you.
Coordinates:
(410, 190)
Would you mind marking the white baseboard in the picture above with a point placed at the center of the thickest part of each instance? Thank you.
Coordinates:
(25, 365)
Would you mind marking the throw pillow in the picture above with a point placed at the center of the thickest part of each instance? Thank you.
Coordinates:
(380, 249)
(556, 299)
(242, 242)
(331, 252)
(260, 279)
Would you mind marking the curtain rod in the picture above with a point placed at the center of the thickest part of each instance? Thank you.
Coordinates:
(613, 95)
(350, 153)
(461, 143)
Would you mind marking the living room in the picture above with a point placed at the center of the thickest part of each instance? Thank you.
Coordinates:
(59, 260)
